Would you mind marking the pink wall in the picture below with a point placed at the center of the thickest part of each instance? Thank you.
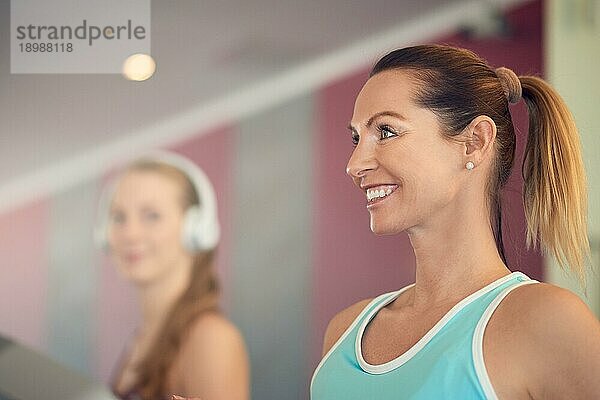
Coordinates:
(24, 273)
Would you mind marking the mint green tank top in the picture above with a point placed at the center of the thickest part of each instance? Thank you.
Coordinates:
(446, 363)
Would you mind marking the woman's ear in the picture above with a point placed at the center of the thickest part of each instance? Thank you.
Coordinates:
(480, 135)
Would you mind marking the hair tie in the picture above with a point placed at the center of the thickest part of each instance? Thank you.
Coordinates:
(511, 85)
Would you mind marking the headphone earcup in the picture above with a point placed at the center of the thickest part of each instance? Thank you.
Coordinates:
(102, 222)
(200, 233)
(101, 236)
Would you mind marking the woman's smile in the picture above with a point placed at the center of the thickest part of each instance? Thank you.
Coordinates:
(378, 193)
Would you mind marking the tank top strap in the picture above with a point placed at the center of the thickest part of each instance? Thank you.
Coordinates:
(477, 343)
(375, 304)
(350, 333)
(381, 299)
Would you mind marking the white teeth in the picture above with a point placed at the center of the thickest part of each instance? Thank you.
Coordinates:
(378, 193)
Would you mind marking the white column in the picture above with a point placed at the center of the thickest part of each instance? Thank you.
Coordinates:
(572, 58)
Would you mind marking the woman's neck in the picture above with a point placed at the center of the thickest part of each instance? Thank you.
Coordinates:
(456, 254)
(157, 298)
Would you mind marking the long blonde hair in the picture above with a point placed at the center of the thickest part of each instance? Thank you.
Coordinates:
(457, 86)
(555, 193)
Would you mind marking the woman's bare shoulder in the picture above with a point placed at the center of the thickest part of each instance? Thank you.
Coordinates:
(211, 341)
(212, 329)
(543, 303)
(543, 309)
(340, 323)
(554, 336)
(213, 359)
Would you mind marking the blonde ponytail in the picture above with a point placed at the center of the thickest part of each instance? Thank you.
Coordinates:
(555, 194)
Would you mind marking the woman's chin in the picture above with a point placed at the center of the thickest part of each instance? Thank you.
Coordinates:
(134, 273)
(382, 229)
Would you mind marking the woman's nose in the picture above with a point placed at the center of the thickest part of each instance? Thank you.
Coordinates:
(127, 231)
(361, 161)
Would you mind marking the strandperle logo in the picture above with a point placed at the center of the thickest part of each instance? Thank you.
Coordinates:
(77, 36)
(84, 31)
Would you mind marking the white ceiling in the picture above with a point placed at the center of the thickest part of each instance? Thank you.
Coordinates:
(204, 50)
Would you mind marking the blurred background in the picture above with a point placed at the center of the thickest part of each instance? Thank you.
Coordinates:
(259, 94)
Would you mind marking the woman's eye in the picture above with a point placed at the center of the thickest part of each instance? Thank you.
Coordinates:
(117, 218)
(151, 216)
(386, 132)
(355, 139)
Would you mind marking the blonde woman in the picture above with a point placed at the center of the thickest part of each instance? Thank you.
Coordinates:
(434, 146)
(159, 222)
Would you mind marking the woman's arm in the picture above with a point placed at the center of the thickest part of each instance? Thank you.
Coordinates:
(214, 362)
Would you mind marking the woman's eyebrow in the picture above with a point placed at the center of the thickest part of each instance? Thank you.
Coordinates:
(377, 115)
(383, 114)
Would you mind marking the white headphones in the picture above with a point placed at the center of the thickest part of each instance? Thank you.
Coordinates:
(201, 230)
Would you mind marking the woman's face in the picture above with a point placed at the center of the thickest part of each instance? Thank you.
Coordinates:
(146, 219)
(408, 172)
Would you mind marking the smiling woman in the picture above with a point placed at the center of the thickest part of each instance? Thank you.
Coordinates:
(159, 222)
(434, 145)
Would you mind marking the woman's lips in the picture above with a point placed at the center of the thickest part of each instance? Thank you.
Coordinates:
(132, 257)
(377, 194)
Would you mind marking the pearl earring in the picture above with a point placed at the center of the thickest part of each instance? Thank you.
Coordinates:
(470, 165)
